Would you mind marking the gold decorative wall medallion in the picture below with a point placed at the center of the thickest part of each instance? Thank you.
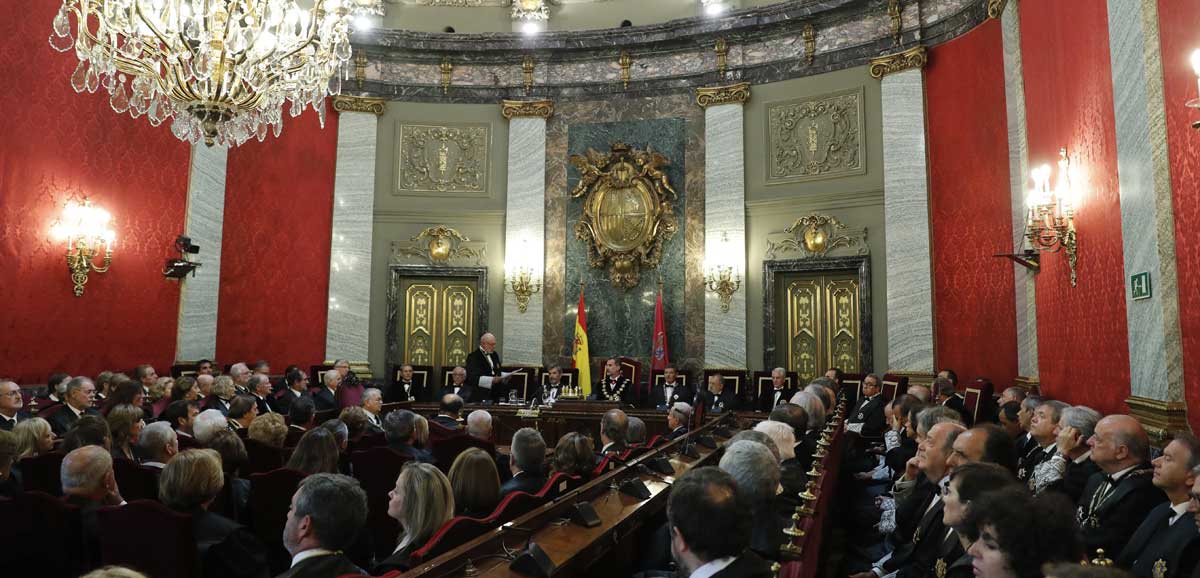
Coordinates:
(628, 210)
(815, 236)
(439, 245)
(899, 62)
(816, 138)
(995, 8)
(714, 95)
(443, 159)
(347, 103)
(526, 108)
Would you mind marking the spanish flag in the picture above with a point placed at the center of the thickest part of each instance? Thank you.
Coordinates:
(580, 352)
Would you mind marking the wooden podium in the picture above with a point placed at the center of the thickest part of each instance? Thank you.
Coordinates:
(597, 406)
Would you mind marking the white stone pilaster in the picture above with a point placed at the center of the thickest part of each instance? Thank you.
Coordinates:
(196, 337)
(525, 226)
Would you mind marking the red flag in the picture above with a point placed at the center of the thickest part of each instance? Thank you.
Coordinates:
(660, 357)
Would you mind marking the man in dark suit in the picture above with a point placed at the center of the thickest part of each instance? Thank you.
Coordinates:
(779, 393)
(1168, 535)
(614, 386)
(326, 397)
(88, 481)
(296, 386)
(483, 372)
(794, 416)
(703, 499)
(80, 395)
(181, 414)
(242, 411)
(260, 390)
(406, 389)
(398, 428)
(56, 390)
(716, 399)
(551, 388)
(372, 404)
(449, 412)
(1043, 430)
(678, 418)
(868, 419)
(614, 429)
(671, 391)
(458, 385)
(1026, 444)
(327, 512)
(10, 405)
(948, 396)
(300, 414)
(528, 456)
(1117, 499)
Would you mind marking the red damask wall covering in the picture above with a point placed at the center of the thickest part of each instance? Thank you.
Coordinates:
(1179, 21)
(275, 249)
(974, 310)
(53, 143)
(1083, 353)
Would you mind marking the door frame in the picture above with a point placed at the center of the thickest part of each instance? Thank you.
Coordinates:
(859, 263)
(397, 273)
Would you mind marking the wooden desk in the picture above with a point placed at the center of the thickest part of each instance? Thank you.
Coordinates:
(552, 423)
(574, 549)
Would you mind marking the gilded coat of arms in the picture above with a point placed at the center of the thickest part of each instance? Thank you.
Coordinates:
(627, 210)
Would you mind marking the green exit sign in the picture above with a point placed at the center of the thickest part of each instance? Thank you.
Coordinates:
(1140, 284)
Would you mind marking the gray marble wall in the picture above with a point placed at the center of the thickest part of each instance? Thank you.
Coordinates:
(1024, 285)
(347, 334)
(725, 231)
(906, 213)
(1147, 217)
(197, 335)
(524, 235)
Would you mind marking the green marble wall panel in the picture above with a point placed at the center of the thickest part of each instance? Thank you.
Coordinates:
(620, 322)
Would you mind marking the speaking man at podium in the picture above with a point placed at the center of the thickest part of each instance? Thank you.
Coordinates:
(483, 372)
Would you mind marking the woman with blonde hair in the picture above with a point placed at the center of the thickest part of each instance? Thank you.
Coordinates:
(422, 502)
(34, 437)
(421, 432)
(575, 455)
(476, 483)
(189, 484)
(125, 424)
(160, 394)
(268, 429)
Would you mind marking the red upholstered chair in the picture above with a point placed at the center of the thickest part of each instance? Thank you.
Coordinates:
(148, 537)
(514, 506)
(377, 469)
(447, 449)
(48, 412)
(439, 432)
(136, 482)
(632, 368)
(654, 441)
(270, 499)
(68, 553)
(43, 473)
(454, 533)
(560, 483)
(606, 465)
(260, 458)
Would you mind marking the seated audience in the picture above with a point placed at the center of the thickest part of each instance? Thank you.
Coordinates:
(678, 418)
(316, 453)
(185, 389)
(757, 437)
(189, 484)
(269, 430)
(182, 416)
(124, 392)
(341, 437)
(326, 397)
(159, 395)
(715, 398)
(756, 471)
(986, 443)
(103, 383)
(867, 418)
(90, 430)
(1071, 465)
(458, 384)
(706, 498)
(1168, 534)
(1012, 533)
(88, 482)
(56, 390)
(157, 444)
(636, 435)
(10, 478)
(947, 395)
(1043, 429)
(357, 422)
(421, 433)
(475, 482)
(125, 425)
(449, 412)
(614, 428)
(327, 512)
(1012, 394)
(34, 437)
(295, 387)
(780, 391)
(260, 391)
(80, 394)
(398, 428)
(574, 455)
(146, 376)
(10, 405)
(1118, 497)
(968, 482)
(221, 394)
(815, 411)
(242, 411)
(527, 463)
(921, 392)
(114, 572)
(422, 502)
(1025, 443)
(207, 423)
(780, 433)
(233, 454)
(239, 378)
(301, 415)
(1009, 418)
(372, 404)
(204, 382)
(823, 393)
(479, 424)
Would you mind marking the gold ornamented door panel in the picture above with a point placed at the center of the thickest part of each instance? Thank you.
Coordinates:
(821, 323)
(437, 320)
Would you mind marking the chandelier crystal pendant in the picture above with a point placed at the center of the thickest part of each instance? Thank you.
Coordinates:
(221, 69)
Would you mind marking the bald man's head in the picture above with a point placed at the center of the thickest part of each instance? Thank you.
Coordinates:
(87, 472)
(1119, 443)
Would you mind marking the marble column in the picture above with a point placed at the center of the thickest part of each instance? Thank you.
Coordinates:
(906, 213)
(725, 220)
(197, 334)
(525, 228)
(1147, 216)
(346, 333)
(1024, 285)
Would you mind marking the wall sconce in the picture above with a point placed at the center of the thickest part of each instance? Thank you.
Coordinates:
(722, 271)
(523, 272)
(530, 16)
(1050, 225)
(1195, 102)
(84, 227)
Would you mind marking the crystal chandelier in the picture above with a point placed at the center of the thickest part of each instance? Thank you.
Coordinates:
(221, 68)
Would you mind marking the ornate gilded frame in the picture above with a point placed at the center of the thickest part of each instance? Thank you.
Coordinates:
(859, 263)
(397, 273)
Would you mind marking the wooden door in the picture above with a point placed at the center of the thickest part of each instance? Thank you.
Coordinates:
(437, 320)
(820, 325)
